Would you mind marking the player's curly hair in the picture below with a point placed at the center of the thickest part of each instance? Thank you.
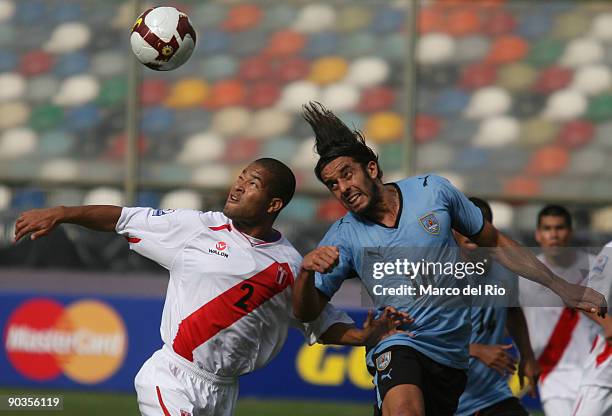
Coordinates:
(333, 138)
(283, 186)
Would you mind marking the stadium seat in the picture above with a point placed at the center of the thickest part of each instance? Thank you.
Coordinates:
(502, 87)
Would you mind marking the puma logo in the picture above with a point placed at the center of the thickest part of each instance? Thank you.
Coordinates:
(388, 375)
(425, 181)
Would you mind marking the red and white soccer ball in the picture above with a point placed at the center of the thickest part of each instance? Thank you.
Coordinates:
(163, 38)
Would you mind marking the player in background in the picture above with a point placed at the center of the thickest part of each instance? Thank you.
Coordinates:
(487, 392)
(595, 392)
(561, 337)
(228, 303)
(424, 373)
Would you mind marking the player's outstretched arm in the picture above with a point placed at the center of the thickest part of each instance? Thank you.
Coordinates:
(373, 331)
(308, 301)
(41, 222)
(522, 262)
(528, 365)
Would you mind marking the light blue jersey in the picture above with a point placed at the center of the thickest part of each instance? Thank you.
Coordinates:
(429, 208)
(485, 386)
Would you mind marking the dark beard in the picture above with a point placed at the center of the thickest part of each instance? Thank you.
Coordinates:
(376, 197)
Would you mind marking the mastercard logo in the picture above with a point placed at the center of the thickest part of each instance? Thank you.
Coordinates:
(85, 340)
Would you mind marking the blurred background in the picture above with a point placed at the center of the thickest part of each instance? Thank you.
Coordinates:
(511, 100)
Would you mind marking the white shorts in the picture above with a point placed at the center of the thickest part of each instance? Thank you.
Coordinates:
(593, 401)
(168, 385)
(558, 407)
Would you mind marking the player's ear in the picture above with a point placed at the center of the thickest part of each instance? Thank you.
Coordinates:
(275, 205)
(372, 169)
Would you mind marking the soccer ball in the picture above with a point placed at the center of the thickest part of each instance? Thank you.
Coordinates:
(163, 38)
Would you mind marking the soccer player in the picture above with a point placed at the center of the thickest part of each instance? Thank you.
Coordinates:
(425, 372)
(561, 337)
(487, 392)
(228, 304)
(595, 392)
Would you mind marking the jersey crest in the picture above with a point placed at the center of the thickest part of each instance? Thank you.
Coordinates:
(383, 361)
(430, 223)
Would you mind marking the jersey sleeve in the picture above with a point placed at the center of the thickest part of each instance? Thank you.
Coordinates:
(465, 216)
(600, 275)
(329, 283)
(158, 234)
(312, 331)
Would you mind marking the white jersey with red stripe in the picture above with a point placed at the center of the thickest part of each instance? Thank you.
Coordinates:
(560, 337)
(228, 305)
(598, 365)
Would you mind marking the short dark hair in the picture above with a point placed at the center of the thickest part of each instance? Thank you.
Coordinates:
(334, 139)
(484, 207)
(283, 185)
(552, 210)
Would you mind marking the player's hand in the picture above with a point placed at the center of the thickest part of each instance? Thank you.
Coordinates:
(322, 259)
(529, 367)
(39, 222)
(387, 324)
(584, 298)
(496, 357)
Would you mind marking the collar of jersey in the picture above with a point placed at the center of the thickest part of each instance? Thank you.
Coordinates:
(256, 242)
(399, 212)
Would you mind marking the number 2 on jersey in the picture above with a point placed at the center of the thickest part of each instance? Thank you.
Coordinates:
(242, 301)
